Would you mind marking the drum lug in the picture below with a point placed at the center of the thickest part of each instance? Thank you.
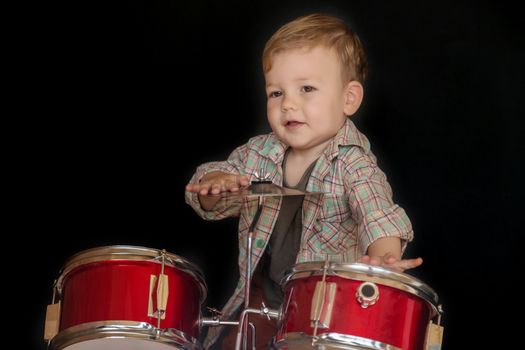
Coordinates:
(322, 304)
(52, 321)
(161, 284)
(367, 294)
(158, 285)
(433, 337)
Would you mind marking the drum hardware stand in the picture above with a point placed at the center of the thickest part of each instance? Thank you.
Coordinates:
(215, 321)
(243, 322)
(243, 319)
(263, 311)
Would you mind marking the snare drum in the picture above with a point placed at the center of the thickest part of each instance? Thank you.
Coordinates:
(354, 306)
(127, 297)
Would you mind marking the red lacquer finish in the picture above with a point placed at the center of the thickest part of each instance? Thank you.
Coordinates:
(398, 318)
(119, 290)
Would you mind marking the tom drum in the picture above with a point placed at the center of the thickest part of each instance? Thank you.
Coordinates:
(126, 297)
(355, 306)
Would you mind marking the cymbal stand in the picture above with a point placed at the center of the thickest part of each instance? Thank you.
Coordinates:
(243, 323)
(243, 320)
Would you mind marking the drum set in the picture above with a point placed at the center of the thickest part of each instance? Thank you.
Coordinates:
(129, 297)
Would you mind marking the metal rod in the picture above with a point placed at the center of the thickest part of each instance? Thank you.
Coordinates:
(321, 306)
(54, 292)
(160, 312)
(439, 315)
(264, 311)
(242, 325)
(247, 287)
(213, 322)
(248, 274)
(53, 301)
(254, 340)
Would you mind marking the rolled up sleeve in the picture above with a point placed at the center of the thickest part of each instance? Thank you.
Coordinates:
(376, 214)
(223, 208)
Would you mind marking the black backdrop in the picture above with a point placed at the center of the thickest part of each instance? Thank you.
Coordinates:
(134, 96)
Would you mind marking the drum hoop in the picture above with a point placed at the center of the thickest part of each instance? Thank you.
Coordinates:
(330, 341)
(367, 273)
(120, 329)
(130, 253)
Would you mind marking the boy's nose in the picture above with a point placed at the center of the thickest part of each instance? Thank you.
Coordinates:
(288, 103)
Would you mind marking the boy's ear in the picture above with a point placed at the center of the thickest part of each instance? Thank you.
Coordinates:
(354, 92)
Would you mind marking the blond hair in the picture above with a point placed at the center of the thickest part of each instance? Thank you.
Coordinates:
(320, 30)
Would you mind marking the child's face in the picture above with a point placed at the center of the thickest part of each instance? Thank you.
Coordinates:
(306, 97)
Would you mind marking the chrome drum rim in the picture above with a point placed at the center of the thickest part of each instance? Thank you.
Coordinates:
(330, 341)
(123, 329)
(131, 253)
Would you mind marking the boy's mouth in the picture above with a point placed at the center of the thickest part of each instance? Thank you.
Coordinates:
(293, 124)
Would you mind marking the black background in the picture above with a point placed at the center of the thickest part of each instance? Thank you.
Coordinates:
(132, 97)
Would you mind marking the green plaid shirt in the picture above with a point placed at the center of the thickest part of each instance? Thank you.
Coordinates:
(356, 210)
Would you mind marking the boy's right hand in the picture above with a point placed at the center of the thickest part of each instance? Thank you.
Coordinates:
(217, 182)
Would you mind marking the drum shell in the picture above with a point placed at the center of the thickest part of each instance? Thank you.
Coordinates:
(398, 318)
(120, 290)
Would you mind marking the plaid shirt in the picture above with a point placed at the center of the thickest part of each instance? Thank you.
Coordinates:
(356, 210)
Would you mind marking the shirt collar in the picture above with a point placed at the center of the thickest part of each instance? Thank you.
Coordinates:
(347, 136)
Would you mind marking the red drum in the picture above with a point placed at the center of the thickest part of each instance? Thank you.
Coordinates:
(354, 306)
(126, 297)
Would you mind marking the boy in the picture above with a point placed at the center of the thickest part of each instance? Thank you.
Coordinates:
(314, 69)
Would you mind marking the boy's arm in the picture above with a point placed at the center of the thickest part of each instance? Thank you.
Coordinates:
(384, 228)
(388, 246)
(387, 252)
(214, 183)
(209, 209)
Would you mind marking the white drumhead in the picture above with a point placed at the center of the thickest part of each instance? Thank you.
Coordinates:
(122, 335)
(121, 344)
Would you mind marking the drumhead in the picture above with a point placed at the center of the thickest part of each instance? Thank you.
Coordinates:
(366, 273)
(123, 335)
(132, 253)
(121, 344)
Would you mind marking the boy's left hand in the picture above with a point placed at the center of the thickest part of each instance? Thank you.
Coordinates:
(391, 262)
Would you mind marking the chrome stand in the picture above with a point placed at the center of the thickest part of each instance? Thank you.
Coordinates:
(243, 323)
(241, 335)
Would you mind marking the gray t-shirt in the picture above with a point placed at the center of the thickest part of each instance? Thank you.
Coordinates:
(283, 247)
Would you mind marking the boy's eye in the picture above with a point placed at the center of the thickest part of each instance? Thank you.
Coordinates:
(308, 88)
(275, 94)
